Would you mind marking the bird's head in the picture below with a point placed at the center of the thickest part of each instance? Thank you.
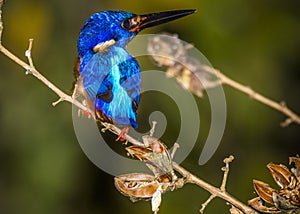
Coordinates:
(120, 27)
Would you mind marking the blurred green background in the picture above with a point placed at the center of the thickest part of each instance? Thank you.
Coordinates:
(44, 170)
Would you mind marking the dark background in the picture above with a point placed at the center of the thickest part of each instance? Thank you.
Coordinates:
(44, 170)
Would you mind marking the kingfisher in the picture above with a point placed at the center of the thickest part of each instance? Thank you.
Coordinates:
(107, 76)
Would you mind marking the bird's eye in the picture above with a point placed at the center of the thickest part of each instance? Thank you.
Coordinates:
(134, 21)
(126, 24)
(131, 23)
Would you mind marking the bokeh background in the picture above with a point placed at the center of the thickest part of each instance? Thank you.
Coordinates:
(44, 170)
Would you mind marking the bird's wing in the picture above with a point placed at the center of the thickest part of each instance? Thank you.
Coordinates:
(98, 78)
(94, 75)
(130, 79)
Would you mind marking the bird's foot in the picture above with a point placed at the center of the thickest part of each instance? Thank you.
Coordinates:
(83, 113)
(123, 133)
(87, 114)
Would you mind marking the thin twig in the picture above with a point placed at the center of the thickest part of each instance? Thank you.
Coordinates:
(31, 70)
(152, 130)
(222, 188)
(174, 149)
(28, 53)
(225, 169)
(204, 205)
(279, 106)
(191, 178)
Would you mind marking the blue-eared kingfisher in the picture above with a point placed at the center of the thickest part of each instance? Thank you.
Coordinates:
(106, 75)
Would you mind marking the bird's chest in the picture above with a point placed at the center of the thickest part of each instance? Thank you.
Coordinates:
(102, 69)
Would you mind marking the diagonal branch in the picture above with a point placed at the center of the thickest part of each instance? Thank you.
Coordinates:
(214, 191)
(281, 107)
(191, 178)
(30, 69)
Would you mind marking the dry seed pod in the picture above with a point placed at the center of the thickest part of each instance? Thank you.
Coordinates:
(264, 191)
(190, 73)
(137, 186)
(287, 198)
(156, 157)
(296, 171)
(258, 204)
(281, 174)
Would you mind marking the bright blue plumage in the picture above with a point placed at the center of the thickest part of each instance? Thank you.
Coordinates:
(102, 27)
(108, 76)
(114, 69)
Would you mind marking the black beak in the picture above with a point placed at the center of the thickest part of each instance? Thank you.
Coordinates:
(140, 22)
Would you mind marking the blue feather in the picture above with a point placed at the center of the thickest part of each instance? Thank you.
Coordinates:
(111, 76)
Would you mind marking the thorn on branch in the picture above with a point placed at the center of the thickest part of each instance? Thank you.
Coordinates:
(152, 130)
(283, 104)
(28, 70)
(61, 99)
(28, 53)
(287, 122)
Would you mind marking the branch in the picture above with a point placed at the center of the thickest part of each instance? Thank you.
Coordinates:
(188, 71)
(281, 107)
(30, 69)
(214, 191)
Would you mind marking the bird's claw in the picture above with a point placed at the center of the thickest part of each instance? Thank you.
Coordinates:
(123, 133)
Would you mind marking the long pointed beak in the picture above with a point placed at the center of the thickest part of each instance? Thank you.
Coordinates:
(140, 22)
